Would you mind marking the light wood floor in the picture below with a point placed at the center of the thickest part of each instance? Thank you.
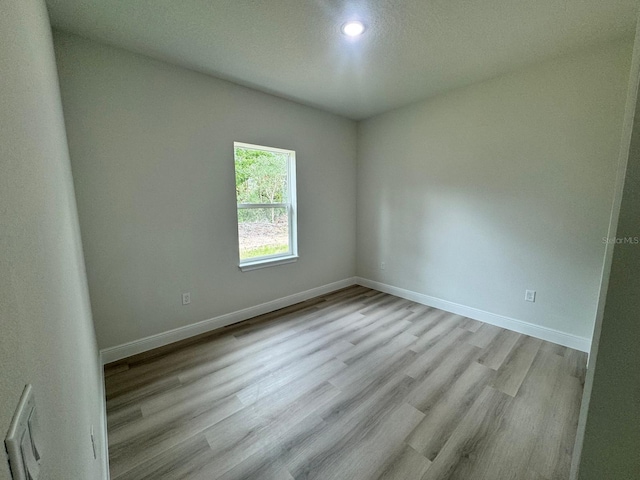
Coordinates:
(353, 385)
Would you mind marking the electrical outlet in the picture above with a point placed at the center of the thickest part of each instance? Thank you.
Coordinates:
(186, 298)
(530, 295)
(382, 265)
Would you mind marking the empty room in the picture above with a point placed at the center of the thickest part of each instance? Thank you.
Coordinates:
(319, 239)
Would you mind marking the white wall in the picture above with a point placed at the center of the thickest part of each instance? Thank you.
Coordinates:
(46, 333)
(474, 196)
(152, 154)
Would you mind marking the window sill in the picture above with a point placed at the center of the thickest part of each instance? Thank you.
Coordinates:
(270, 262)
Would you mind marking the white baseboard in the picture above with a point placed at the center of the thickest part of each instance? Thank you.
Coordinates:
(519, 326)
(119, 352)
(105, 437)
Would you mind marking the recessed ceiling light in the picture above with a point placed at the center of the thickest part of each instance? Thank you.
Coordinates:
(353, 28)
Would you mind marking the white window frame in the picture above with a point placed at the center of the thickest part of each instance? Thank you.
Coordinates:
(291, 206)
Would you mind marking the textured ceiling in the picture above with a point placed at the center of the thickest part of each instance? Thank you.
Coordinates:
(412, 49)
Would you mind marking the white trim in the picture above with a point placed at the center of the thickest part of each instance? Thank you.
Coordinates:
(268, 261)
(119, 352)
(105, 435)
(263, 205)
(519, 326)
(292, 208)
(253, 146)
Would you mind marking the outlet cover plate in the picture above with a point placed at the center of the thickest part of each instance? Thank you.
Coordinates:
(23, 439)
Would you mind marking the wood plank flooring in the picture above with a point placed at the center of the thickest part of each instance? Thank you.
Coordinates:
(353, 385)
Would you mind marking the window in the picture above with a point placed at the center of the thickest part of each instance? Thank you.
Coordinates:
(266, 196)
